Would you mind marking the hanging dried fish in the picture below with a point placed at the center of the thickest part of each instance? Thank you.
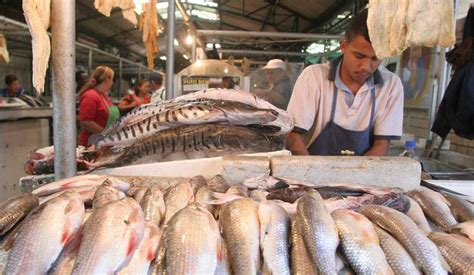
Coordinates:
(127, 6)
(150, 27)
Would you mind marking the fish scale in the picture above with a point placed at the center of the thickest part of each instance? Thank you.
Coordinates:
(14, 209)
(457, 250)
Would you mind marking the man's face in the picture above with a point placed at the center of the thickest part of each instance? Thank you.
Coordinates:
(359, 59)
(14, 86)
(153, 86)
(273, 75)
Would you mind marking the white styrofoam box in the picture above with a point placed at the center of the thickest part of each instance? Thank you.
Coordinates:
(399, 172)
(236, 169)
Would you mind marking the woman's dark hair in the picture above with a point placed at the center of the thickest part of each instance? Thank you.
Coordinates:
(358, 26)
(140, 83)
(10, 78)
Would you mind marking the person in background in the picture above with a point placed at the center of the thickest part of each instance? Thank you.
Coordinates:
(81, 80)
(13, 88)
(132, 84)
(228, 82)
(280, 91)
(96, 111)
(156, 87)
(139, 97)
(347, 106)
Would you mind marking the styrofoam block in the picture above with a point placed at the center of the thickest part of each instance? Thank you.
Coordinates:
(399, 172)
(236, 169)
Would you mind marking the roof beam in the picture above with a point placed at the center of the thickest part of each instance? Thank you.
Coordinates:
(332, 11)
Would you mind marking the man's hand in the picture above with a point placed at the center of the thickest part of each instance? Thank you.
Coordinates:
(379, 148)
(295, 143)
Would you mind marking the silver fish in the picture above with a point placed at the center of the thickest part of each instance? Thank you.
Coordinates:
(218, 184)
(301, 263)
(360, 243)
(240, 226)
(106, 193)
(153, 206)
(14, 209)
(145, 252)
(398, 258)
(465, 228)
(86, 193)
(110, 237)
(193, 242)
(416, 214)
(274, 233)
(457, 250)
(423, 251)
(462, 210)
(197, 182)
(56, 222)
(319, 232)
(190, 142)
(434, 205)
(176, 198)
(88, 180)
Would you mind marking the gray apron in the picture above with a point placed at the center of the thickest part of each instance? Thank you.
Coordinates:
(334, 138)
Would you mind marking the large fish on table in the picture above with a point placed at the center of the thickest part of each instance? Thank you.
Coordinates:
(188, 113)
(190, 142)
(44, 234)
(462, 209)
(457, 250)
(423, 251)
(110, 237)
(301, 263)
(14, 209)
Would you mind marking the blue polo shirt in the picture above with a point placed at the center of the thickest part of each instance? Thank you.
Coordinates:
(19, 92)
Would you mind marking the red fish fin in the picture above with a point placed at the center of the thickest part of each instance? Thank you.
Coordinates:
(132, 243)
(151, 255)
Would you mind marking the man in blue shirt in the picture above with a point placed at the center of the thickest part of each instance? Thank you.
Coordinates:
(13, 88)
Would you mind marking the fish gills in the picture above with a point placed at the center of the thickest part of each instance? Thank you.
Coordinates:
(193, 242)
(240, 225)
(177, 198)
(423, 251)
(360, 243)
(416, 214)
(301, 263)
(145, 252)
(14, 209)
(110, 236)
(153, 205)
(56, 222)
(319, 232)
(457, 250)
(398, 258)
(461, 209)
(434, 205)
(274, 232)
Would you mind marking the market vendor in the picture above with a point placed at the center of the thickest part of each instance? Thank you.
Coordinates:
(13, 88)
(156, 87)
(139, 97)
(96, 111)
(280, 90)
(348, 106)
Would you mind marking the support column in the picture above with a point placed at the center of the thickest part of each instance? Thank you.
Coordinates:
(63, 36)
(170, 28)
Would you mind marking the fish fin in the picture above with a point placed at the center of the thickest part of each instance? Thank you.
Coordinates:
(132, 243)
(95, 139)
(151, 255)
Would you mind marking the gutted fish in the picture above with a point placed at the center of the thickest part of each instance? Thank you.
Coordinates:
(301, 262)
(416, 214)
(44, 234)
(189, 142)
(73, 182)
(14, 209)
(177, 198)
(110, 237)
(393, 200)
(397, 257)
(319, 232)
(360, 243)
(462, 210)
(457, 250)
(434, 205)
(240, 226)
(465, 228)
(153, 206)
(192, 242)
(400, 226)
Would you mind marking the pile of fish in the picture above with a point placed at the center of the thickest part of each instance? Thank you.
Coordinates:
(95, 224)
(208, 123)
(41, 161)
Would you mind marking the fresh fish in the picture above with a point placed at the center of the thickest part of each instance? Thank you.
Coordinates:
(193, 242)
(360, 243)
(190, 142)
(416, 214)
(345, 187)
(274, 233)
(153, 206)
(205, 197)
(223, 268)
(106, 193)
(218, 184)
(393, 200)
(265, 182)
(74, 182)
(398, 258)
(284, 121)
(197, 182)
(86, 193)
(14, 209)
(259, 195)
(457, 250)
(139, 195)
(189, 113)
(465, 228)
(145, 252)
(462, 210)
(240, 226)
(288, 194)
(319, 232)
(238, 190)
(44, 234)
(400, 226)
(110, 237)
(301, 263)
(177, 198)
(434, 205)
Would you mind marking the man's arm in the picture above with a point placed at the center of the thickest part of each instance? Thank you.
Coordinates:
(379, 148)
(295, 143)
